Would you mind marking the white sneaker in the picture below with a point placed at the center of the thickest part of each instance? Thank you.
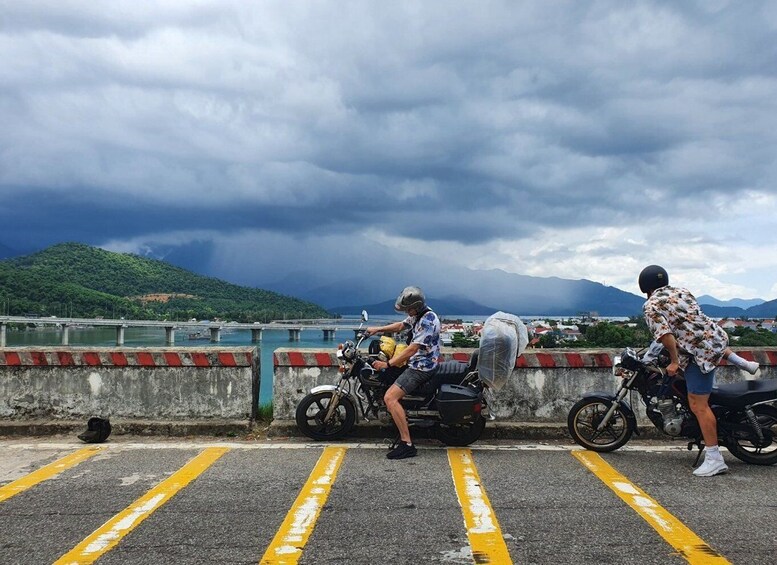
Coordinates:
(711, 467)
(751, 367)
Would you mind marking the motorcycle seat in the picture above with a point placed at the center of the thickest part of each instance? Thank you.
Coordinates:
(448, 373)
(741, 394)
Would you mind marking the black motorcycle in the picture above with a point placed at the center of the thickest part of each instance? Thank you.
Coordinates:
(451, 404)
(747, 420)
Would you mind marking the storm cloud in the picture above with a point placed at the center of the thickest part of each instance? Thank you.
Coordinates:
(575, 139)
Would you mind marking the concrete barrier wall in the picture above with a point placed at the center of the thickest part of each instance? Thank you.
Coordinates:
(129, 383)
(544, 385)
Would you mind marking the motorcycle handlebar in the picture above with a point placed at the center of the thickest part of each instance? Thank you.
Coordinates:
(655, 370)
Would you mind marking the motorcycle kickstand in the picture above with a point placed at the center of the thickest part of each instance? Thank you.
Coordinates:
(701, 450)
(395, 443)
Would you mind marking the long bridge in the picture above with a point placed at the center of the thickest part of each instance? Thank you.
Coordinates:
(295, 327)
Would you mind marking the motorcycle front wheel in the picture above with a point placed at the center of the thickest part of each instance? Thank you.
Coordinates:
(460, 435)
(586, 415)
(312, 411)
(748, 447)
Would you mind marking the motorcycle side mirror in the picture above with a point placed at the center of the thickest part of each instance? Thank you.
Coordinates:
(365, 316)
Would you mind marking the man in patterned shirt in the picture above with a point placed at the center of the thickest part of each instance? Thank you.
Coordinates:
(695, 345)
(422, 355)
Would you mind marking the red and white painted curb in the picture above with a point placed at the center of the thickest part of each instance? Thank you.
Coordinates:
(124, 358)
(529, 360)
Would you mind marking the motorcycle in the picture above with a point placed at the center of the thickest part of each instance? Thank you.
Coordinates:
(451, 404)
(746, 418)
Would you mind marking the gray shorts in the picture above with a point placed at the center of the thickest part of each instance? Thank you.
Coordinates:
(411, 379)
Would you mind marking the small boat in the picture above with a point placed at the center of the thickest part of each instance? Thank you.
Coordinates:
(199, 335)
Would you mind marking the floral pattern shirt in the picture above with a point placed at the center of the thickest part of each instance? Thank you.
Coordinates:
(675, 311)
(426, 333)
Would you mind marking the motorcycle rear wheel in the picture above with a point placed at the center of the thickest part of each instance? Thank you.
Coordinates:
(747, 448)
(312, 410)
(586, 415)
(461, 435)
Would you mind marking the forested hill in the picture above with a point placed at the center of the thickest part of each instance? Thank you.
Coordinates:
(76, 280)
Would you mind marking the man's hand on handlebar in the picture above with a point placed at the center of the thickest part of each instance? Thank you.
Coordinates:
(380, 365)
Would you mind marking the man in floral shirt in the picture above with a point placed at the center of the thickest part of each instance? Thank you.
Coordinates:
(695, 345)
(421, 354)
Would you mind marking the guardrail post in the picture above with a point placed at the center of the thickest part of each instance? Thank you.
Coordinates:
(169, 335)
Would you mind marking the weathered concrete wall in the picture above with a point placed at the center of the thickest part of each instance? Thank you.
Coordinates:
(544, 385)
(129, 383)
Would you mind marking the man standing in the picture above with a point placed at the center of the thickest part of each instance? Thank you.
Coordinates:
(695, 345)
(421, 354)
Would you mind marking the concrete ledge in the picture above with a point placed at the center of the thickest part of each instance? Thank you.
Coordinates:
(31, 428)
(142, 384)
(494, 430)
(542, 389)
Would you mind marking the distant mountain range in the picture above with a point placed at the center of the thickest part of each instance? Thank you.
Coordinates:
(457, 306)
(738, 307)
(449, 304)
(370, 277)
(763, 310)
(742, 303)
(369, 282)
(457, 290)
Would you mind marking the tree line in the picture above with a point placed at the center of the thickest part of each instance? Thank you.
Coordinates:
(634, 334)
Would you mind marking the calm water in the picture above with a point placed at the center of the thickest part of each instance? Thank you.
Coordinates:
(155, 337)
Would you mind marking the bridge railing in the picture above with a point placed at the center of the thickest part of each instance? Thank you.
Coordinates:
(295, 327)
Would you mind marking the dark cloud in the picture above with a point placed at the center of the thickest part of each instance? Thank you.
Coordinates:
(440, 122)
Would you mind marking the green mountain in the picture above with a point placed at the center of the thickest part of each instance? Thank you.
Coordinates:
(76, 280)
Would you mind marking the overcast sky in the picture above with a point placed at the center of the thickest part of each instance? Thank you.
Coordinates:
(569, 139)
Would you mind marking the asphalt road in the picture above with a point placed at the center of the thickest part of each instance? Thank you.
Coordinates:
(160, 501)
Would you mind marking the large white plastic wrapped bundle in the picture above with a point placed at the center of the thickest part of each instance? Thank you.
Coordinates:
(502, 340)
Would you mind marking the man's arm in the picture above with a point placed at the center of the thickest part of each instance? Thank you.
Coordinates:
(670, 343)
(399, 360)
(392, 328)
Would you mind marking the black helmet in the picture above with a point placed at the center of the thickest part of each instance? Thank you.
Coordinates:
(97, 430)
(412, 298)
(652, 277)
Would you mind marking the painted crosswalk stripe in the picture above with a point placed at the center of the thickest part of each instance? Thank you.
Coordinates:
(290, 540)
(688, 544)
(105, 538)
(46, 472)
(483, 531)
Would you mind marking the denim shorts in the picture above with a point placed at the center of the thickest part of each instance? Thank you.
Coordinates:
(698, 382)
(411, 379)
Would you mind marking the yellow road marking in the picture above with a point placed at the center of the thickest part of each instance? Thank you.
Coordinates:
(688, 544)
(290, 540)
(45, 473)
(104, 538)
(483, 531)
